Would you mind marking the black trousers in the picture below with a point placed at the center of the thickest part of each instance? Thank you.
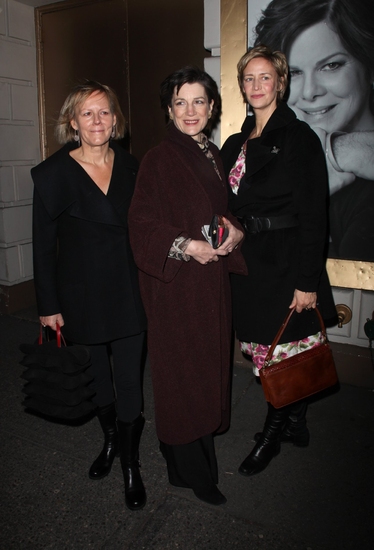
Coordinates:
(193, 465)
(122, 383)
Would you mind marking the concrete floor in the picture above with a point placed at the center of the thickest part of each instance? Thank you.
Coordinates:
(319, 498)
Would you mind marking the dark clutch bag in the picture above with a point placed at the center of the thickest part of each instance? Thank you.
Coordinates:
(218, 232)
(299, 376)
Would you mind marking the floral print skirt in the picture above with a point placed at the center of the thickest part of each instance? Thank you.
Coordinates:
(258, 352)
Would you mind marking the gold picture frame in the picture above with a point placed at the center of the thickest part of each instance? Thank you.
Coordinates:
(234, 40)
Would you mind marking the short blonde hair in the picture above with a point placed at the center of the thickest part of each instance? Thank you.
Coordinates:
(64, 131)
(276, 58)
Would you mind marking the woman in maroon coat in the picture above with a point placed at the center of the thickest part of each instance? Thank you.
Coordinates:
(185, 282)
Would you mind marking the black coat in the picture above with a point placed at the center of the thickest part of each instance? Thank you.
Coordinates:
(285, 175)
(83, 264)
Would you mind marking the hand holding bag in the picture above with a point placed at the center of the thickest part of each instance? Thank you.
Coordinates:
(57, 381)
(301, 375)
(218, 232)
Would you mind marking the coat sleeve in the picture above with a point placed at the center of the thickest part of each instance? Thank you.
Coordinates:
(151, 236)
(45, 258)
(306, 161)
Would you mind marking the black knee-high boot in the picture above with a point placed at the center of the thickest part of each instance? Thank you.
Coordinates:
(129, 439)
(268, 445)
(102, 465)
(295, 430)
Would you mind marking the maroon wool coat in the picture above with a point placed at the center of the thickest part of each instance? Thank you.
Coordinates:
(187, 304)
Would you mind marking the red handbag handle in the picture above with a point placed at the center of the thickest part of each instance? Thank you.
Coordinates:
(59, 336)
(269, 354)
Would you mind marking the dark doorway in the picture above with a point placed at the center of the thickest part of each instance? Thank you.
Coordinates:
(164, 35)
(79, 40)
(131, 45)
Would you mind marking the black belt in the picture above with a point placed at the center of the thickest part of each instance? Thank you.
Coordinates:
(254, 225)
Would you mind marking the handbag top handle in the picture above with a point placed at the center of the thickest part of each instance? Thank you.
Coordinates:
(59, 336)
(282, 329)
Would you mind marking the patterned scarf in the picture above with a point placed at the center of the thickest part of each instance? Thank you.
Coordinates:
(204, 146)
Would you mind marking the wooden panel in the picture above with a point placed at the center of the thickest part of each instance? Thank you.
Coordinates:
(164, 35)
(78, 40)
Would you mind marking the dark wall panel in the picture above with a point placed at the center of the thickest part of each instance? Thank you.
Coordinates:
(130, 45)
(163, 36)
(81, 40)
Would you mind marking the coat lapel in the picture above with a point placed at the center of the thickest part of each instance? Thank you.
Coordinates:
(92, 204)
(195, 163)
(258, 155)
(95, 208)
(63, 184)
(261, 151)
(122, 183)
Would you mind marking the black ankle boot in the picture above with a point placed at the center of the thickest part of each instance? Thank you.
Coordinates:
(268, 445)
(129, 439)
(295, 430)
(103, 464)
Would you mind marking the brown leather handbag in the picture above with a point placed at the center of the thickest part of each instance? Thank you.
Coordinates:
(299, 376)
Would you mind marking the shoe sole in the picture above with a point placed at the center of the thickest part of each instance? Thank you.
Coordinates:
(135, 508)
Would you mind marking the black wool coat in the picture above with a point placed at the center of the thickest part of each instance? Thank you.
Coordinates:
(83, 264)
(285, 175)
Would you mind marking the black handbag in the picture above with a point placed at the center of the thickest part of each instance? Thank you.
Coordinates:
(57, 381)
(299, 376)
(218, 232)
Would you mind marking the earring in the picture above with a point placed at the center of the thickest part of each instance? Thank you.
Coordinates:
(113, 134)
(210, 114)
(77, 138)
(170, 116)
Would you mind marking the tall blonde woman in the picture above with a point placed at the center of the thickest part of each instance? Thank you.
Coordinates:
(277, 177)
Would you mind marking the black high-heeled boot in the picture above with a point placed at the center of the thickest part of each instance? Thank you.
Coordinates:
(103, 464)
(129, 439)
(268, 445)
(295, 430)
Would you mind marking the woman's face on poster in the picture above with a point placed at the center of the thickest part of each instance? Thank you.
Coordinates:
(329, 88)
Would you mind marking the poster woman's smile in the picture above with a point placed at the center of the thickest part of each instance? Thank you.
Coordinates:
(329, 87)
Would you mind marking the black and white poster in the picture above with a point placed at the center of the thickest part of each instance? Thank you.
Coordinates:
(329, 45)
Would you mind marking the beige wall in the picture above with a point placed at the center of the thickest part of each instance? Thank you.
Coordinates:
(19, 139)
